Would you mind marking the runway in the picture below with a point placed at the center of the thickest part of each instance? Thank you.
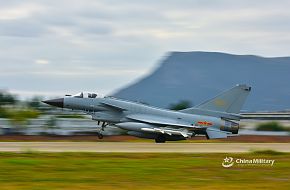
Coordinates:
(133, 147)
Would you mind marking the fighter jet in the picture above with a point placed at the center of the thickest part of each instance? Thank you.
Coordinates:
(215, 118)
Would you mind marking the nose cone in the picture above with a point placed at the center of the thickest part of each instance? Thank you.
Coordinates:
(55, 102)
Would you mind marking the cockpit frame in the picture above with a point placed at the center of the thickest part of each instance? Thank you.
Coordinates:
(86, 95)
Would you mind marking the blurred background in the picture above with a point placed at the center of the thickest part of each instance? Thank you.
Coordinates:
(167, 53)
(170, 54)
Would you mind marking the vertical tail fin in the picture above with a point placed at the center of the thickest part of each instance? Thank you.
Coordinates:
(230, 101)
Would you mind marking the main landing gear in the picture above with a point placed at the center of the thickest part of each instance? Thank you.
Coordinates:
(160, 139)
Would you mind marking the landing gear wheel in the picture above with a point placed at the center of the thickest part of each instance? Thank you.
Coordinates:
(100, 136)
(160, 139)
(206, 135)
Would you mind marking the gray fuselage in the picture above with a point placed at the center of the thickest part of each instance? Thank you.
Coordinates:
(96, 108)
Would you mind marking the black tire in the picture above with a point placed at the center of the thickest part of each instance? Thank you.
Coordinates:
(160, 139)
(206, 135)
(100, 136)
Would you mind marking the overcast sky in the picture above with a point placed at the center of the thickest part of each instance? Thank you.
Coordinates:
(64, 46)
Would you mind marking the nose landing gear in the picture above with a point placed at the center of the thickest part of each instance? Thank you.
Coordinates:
(103, 125)
(100, 135)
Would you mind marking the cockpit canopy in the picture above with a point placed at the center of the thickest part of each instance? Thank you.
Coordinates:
(87, 95)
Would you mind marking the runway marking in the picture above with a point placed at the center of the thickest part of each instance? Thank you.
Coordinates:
(141, 147)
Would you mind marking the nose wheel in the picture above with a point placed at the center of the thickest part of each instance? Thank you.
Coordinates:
(103, 125)
(100, 135)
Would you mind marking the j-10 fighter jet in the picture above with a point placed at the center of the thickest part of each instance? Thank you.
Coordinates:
(215, 118)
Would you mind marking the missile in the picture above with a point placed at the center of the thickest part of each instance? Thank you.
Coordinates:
(133, 126)
(144, 127)
(184, 133)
